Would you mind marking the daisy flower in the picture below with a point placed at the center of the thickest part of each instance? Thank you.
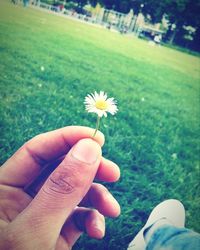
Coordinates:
(100, 104)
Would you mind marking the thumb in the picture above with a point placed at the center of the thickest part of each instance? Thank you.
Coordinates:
(65, 188)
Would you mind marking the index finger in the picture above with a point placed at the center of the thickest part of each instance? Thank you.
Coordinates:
(27, 162)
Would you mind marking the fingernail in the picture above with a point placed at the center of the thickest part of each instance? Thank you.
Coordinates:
(100, 227)
(115, 205)
(87, 151)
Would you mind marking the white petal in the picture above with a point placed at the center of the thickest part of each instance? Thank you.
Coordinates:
(96, 96)
(103, 95)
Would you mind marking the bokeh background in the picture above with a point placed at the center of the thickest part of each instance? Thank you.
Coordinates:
(50, 61)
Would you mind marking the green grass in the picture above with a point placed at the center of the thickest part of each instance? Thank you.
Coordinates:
(143, 136)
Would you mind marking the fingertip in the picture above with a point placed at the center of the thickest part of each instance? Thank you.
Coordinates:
(100, 138)
(87, 150)
(97, 234)
(117, 211)
(108, 171)
(101, 199)
(75, 133)
(116, 172)
(95, 225)
(115, 208)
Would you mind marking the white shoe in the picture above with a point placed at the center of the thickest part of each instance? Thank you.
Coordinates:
(171, 210)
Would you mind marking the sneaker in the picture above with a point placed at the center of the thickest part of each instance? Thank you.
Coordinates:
(170, 211)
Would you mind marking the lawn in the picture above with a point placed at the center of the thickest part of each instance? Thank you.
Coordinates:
(154, 137)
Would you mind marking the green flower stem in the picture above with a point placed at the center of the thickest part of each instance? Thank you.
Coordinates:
(97, 126)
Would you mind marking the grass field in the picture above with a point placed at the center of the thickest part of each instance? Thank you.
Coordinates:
(154, 138)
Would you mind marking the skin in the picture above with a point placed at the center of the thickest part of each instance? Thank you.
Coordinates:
(67, 202)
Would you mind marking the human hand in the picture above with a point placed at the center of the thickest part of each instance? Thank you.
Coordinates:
(61, 208)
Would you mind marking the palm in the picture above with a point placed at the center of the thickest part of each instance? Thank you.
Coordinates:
(13, 201)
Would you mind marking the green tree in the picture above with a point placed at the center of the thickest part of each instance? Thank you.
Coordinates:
(182, 13)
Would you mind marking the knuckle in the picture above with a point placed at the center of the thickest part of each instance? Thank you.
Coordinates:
(60, 182)
(38, 137)
(68, 178)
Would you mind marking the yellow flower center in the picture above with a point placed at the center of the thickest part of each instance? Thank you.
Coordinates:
(101, 104)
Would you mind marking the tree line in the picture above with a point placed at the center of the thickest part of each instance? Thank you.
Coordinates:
(180, 14)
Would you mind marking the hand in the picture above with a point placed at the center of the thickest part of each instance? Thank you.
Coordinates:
(61, 209)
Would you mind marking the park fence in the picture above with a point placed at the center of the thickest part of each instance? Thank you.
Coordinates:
(107, 18)
(113, 20)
